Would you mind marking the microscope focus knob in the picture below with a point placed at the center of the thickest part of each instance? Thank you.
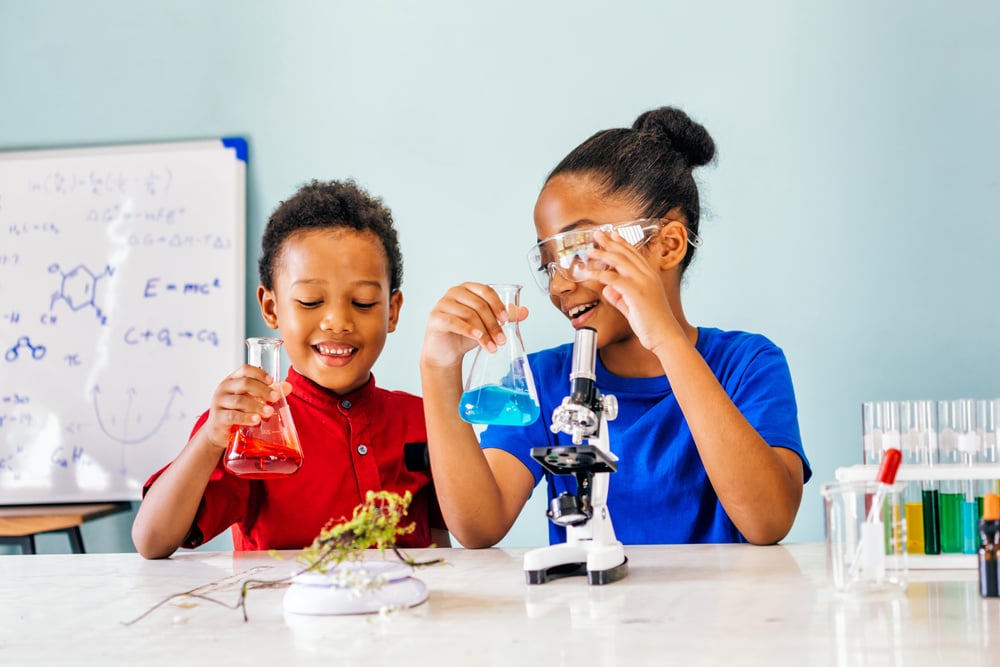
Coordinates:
(609, 404)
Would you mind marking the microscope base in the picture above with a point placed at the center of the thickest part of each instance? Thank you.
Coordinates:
(602, 563)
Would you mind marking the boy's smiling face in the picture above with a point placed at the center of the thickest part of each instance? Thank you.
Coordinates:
(332, 305)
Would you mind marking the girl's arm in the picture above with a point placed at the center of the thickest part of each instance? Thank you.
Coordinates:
(480, 492)
(759, 486)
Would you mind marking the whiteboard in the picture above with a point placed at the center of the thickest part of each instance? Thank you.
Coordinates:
(122, 279)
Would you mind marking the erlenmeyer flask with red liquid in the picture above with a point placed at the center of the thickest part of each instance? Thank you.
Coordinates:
(271, 448)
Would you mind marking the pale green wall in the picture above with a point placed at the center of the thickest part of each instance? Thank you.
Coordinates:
(851, 215)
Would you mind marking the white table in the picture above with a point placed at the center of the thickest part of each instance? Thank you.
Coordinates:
(679, 605)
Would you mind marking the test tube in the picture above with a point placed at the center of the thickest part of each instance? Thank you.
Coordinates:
(887, 420)
(967, 442)
(925, 423)
(952, 495)
(987, 424)
(914, 441)
(871, 436)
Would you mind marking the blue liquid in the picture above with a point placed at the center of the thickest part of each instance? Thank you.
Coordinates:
(492, 404)
(970, 527)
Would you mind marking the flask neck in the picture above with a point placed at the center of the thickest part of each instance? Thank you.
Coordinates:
(265, 353)
(510, 296)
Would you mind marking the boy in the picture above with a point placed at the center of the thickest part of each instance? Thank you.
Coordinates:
(330, 273)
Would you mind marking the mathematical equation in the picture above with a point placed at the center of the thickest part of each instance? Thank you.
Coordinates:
(118, 213)
(114, 214)
(32, 228)
(149, 182)
(27, 349)
(125, 418)
(79, 288)
(134, 239)
(15, 411)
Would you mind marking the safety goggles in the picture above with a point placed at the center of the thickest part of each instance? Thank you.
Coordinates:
(566, 253)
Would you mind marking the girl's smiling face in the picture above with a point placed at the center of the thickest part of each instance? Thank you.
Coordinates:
(332, 304)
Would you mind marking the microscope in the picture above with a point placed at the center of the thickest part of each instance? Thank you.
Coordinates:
(591, 547)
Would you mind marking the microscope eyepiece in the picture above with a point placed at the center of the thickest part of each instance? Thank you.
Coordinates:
(583, 377)
(584, 354)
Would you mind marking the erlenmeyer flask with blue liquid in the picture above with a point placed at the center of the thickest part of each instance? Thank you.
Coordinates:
(500, 388)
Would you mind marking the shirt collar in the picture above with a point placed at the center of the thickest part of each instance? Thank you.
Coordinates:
(310, 392)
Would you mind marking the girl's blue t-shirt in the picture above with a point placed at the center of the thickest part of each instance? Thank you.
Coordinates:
(660, 493)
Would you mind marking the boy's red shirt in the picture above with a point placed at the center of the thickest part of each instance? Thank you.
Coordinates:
(351, 444)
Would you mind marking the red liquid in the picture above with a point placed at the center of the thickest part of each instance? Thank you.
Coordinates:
(252, 458)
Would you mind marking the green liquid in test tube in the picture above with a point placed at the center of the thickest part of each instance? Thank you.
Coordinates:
(920, 428)
(951, 489)
(932, 518)
(951, 520)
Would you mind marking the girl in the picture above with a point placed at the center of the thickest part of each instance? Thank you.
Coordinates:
(707, 430)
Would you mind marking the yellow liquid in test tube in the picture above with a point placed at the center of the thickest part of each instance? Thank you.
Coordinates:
(915, 528)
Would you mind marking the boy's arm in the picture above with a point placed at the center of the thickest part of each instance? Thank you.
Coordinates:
(168, 509)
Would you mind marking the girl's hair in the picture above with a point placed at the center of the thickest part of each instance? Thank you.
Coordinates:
(649, 163)
(330, 205)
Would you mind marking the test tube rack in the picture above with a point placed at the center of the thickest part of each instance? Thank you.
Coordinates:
(938, 472)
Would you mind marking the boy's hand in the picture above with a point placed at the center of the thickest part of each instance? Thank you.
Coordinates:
(467, 315)
(242, 399)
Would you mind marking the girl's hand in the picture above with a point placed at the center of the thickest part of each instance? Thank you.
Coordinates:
(244, 398)
(632, 286)
(467, 315)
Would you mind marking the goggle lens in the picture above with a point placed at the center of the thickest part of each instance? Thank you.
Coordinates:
(566, 253)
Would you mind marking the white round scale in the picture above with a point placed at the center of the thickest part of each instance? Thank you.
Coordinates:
(318, 594)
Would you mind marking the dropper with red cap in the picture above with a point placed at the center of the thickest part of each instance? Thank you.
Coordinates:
(886, 478)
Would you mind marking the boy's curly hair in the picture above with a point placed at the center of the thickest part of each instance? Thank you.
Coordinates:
(329, 205)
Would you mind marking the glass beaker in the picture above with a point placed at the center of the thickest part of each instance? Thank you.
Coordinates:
(270, 448)
(500, 388)
(865, 555)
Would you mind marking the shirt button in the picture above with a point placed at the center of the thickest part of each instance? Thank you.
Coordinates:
(362, 449)
(345, 404)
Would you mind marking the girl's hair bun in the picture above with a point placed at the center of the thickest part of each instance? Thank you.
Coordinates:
(675, 128)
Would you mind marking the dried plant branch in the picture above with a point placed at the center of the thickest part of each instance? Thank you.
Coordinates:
(374, 525)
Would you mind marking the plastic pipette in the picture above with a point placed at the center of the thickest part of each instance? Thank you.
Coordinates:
(872, 536)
